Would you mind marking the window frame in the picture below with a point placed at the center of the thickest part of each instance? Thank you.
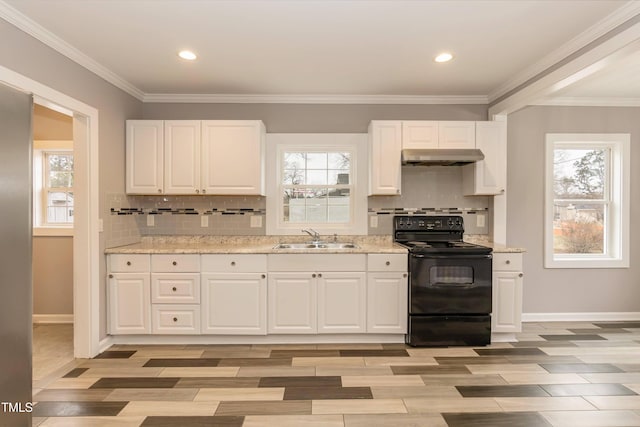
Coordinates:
(356, 144)
(616, 200)
(40, 225)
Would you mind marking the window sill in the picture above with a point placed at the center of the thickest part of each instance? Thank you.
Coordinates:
(53, 231)
(587, 263)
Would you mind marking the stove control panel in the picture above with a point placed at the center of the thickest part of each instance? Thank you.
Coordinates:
(428, 223)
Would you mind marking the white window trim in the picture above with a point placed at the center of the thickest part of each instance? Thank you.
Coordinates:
(355, 143)
(617, 234)
(39, 227)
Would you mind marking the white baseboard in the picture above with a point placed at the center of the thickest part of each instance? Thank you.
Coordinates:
(105, 343)
(52, 318)
(581, 317)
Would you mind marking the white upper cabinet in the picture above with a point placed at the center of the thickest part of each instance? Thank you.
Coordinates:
(218, 157)
(182, 156)
(420, 134)
(232, 157)
(144, 156)
(457, 134)
(488, 176)
(385, 146)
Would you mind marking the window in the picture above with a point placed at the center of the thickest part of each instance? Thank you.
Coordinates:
(53, 187)
(316, 183)
(587, 201)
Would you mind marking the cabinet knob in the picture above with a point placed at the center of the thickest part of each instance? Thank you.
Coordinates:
(174, 289)
(521, 274)
(502, 190)
(264, 276)
(160, 190)
(233, 263)
(388, 263)
(319, 274)
(313, 275)
(404, 275)
(111, 276)
(204, 191)
(508, 261)
(398, 191)
(197, 191)
(174, 263)
(175, 319)
(128, 262)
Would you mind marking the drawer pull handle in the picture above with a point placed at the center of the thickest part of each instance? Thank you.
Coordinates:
(388, 263)
(159, 190)
(128, 262)
(521, 274)
(313, 275)
(233, 263)
(319, 274)
(507, 261)
(404, 275)
(111, 276)
(264, 276)
(174, 289)
(175, 263)
(175, 319)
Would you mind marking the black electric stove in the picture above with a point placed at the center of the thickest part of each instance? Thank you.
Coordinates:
(449, 282)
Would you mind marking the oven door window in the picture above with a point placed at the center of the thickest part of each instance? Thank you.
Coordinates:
(454, 275)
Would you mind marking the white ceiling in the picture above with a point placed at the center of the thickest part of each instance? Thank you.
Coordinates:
(328, 47)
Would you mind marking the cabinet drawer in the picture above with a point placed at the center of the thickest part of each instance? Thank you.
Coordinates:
(125, 263)
(183, 288)
(387, 262)
(234, 263)
(175, 319)
(507, 261)
(175, 263)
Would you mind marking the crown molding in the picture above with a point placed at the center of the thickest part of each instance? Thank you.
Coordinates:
(40, 33)
(615, 19)
(583, 101)
(313, 99)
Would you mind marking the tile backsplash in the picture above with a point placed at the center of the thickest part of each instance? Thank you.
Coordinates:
(425, 190)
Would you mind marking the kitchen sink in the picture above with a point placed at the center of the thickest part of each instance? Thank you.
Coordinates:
(319, 245)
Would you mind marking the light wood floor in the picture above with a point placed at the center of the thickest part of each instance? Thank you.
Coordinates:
(557, 374)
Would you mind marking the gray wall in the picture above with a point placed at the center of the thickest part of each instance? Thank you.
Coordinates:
(567, 290)
(31, 58)
(308, 118)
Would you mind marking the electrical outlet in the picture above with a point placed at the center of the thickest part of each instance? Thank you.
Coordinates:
(256, 221)
(204, 221)
(151, 221)
(373, 221)
(480, 220)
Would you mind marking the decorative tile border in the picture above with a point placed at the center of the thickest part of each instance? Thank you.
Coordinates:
(186, 211)
(425, 211)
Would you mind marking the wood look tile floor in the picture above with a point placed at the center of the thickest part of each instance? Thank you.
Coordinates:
(556, 374)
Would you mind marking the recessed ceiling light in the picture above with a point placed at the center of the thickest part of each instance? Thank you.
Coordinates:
(443, 57)
(187, 54)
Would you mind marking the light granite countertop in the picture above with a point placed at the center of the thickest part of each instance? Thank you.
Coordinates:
(251, 245)
(497, 248)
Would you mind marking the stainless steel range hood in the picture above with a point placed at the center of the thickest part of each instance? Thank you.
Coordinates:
(441, 157)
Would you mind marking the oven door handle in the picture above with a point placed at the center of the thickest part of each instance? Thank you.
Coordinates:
(452, 256)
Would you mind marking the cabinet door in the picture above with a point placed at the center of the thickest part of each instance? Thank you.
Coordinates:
(292, 303)
(144, 156)
(419, 134)
(488, 176)
(234, 303)
(387, 303)
(385, 146)
(129, 303)
(507, 301)
(182, 156)
(233, 157)
(342, 303)
(456, 134)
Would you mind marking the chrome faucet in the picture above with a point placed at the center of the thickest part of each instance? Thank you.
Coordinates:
(313, 233)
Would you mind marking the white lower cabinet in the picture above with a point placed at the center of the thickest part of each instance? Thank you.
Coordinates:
(508, 280)
(234, 303)
(293, 303)
(129, 303)
(342, 303)
(387, 303)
